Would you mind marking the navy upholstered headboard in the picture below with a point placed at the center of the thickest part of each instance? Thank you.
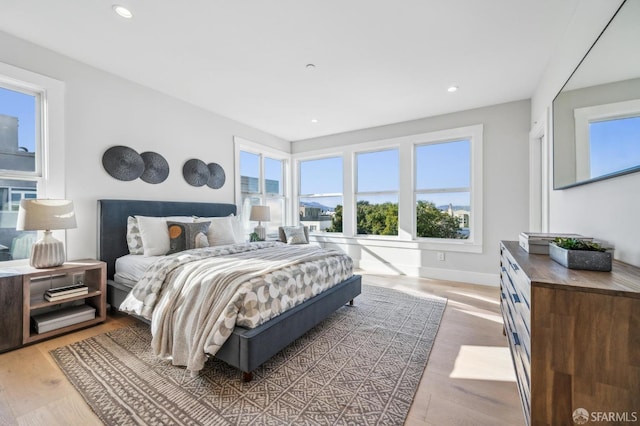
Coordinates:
(112, 221)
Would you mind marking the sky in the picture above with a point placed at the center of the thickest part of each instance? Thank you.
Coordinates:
(23, 106)
(440, 165)
(615, 145)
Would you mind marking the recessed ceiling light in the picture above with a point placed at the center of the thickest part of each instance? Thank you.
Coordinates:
(452, 89)
(314, 120)
(122, 11)
(310, 66)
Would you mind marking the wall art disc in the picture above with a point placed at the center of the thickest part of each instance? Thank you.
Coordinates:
(156, 168)
(123, 163)
(195, 172)
(217, 176)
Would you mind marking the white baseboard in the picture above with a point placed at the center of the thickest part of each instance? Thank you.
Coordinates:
(492, 280)
(481, 278)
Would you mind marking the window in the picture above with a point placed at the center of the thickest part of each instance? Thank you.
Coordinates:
(262, 182)
(607, 139)
(443, 189)
(377, 190)
(422, 191)
(320, 194)
(20, 142)
(31, 141)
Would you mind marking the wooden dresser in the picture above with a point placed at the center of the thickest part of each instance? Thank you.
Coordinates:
(574, 338)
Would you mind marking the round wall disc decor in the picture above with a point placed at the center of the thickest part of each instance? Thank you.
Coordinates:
(156, 168)
(195, 172)
(216, 176)
(123, 163)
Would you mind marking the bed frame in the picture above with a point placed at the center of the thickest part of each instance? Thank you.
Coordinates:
(246, 349)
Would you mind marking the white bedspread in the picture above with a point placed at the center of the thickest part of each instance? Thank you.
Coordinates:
(195, 298)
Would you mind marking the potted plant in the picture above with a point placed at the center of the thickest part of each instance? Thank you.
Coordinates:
(574, 253)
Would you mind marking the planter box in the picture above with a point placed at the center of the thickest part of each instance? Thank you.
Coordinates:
(581, 259)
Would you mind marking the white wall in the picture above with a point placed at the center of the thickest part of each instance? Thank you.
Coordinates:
(600, 209)
(505, 191)
(103, 110)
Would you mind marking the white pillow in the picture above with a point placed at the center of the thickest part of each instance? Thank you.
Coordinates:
(223, 230)
(295, 234)
(238, 230)
(155, 234)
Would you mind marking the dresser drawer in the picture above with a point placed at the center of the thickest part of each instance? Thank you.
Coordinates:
(517, 299)
(519, 356)
(520, 279)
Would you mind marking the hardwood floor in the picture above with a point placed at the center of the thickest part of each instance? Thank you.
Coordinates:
(469, 379)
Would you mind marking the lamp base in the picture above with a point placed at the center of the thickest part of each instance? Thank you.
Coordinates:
(261, 231)
(47, 253)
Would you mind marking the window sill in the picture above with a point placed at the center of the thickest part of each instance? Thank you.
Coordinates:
(462, 246)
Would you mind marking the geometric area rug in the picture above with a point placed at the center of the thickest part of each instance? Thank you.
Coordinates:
(362, 366)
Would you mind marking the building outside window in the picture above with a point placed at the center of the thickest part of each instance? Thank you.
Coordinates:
(377, 192)
(320, 198)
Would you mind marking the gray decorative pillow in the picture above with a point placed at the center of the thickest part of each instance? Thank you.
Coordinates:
(186, 236)
(134, 239)
(295, 235)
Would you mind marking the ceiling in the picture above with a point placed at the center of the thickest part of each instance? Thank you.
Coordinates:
(376, 62)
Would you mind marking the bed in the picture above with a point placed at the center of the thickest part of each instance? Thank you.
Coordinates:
(245, 348)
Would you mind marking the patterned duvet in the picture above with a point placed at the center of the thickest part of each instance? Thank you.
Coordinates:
(195, 298)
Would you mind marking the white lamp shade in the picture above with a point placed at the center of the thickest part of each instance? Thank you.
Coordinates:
(260, 213)
(45, 215)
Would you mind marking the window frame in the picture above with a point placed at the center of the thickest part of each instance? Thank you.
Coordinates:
(357, 194)
(40, 98)
(262, 152)
(583, 117)
(298, 185)
(406, 237)
(49, 173)
(474, 134)
(444, 190)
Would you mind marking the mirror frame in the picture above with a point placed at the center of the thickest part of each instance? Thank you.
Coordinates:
(555, 155)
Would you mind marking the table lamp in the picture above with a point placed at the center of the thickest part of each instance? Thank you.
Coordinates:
(261, 214)
(46, 215)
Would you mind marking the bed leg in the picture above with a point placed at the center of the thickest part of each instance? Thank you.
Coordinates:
(351, 302)
(247, 377)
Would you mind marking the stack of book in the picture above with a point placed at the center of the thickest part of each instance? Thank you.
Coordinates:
(59, 293)
(538, 243)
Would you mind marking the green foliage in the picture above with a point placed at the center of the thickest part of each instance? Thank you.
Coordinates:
(382, 219)
(575, 244)
(336, 220)
(377, 219)
(434, 223)
(253, 237)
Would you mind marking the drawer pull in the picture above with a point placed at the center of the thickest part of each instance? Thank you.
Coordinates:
(503, 269)
(515, 298)
(515, 266)
(516, 340)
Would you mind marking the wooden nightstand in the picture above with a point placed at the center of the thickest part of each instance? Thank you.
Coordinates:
(22, 291)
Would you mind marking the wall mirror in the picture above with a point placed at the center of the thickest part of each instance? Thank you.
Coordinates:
(596, 115)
